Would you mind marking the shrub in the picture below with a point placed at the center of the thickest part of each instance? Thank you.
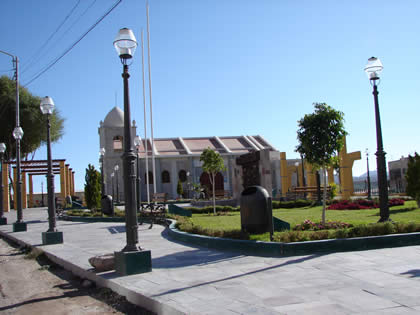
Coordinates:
(179, 189)
(333, 192)
(186, 225)
(300, 203)
(209, 209)
(93, 188)
(308, 225)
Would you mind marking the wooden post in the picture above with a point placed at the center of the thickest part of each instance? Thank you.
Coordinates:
(63, 182)
(24, 195)
(283, 174)
(5, 179)
(14, 187)
(31, 192)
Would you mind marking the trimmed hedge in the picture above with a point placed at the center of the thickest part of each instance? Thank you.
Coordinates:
(363, 230)
(209, 209)
(300, 203)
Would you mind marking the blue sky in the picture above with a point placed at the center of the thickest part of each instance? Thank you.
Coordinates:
(223, 68)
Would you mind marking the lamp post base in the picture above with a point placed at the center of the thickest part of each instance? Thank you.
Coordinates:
(50, 238)
(129, 263)
(3, 221)
(19, 227)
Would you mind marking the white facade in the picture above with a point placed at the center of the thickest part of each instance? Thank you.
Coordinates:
(177, 157)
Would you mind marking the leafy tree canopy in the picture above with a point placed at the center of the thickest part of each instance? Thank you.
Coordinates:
(32, 121)
(212, 161)
(321, 135)
(413, 177)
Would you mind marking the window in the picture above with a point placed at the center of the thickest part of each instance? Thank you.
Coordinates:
(182, 175)
(118, 143)
(166, 178)
(150, 177)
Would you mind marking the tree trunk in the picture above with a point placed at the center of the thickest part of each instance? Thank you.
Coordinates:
(324, 201)
(214, 192)
(318, 188)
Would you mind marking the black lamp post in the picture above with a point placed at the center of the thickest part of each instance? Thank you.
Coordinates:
(52, 236)
(112, 185)
(116, 168)
(42, 194)
(368, 175)
(373, 69)
(3, 220)
(137, 142)
(19, 225)
(101, 160)
(297, 174)
(130, 260)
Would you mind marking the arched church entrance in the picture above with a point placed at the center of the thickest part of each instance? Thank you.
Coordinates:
(205, 182)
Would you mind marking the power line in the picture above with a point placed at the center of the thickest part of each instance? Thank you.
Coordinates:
(73, 45)
(71, 26)
(49, 38)
(77, 20)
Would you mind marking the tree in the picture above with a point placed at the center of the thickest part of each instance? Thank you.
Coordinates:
(32, 121)
(413, 177)
(212, 164)
(179, 189)
(92, 188)
(321, 135)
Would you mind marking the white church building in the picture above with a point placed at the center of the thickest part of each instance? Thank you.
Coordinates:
(177, 159)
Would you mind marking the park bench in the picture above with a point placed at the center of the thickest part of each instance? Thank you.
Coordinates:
(308, 192)
(155, 210)
(219, 194)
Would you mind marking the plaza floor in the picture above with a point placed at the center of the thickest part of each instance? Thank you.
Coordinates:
(195, 280)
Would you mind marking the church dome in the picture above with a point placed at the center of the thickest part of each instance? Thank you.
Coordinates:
(115, 118)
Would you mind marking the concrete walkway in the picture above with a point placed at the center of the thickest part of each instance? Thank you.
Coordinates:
(194, 280)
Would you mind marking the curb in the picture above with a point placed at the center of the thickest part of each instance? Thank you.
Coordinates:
(269, 249)
(107, 279)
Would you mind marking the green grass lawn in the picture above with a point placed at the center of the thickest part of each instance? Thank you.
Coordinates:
(404, 214)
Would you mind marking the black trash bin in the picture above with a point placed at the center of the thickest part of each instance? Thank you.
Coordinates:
(256, 210)
(106, 205)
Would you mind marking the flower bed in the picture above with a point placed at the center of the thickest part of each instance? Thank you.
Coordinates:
(360, 204)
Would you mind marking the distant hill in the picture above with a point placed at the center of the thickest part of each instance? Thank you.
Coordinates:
(372, 174)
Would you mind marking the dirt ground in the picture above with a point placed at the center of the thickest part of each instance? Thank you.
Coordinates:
(31, 284)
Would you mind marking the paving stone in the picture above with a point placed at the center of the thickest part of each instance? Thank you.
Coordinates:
(196, 280)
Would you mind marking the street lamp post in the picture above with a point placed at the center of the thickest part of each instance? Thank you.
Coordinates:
(112, 185)
(373, 69)
(51, 236)
(19, 225)
(368, 176)
(42, 194)
(3, 220)
(137, 142)
(101, 160)
(297, 174)
(116, 168)
(130, 260)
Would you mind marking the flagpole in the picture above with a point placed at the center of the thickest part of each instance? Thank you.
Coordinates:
(146, 151)
(150, 97)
